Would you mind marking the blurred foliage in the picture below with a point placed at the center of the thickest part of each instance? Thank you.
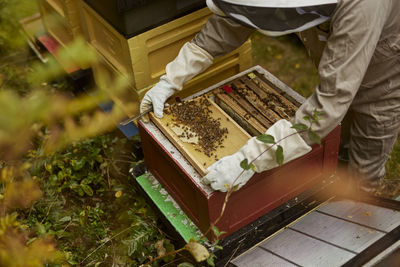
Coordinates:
(11, 11)
(393, 166)
(65, 198)
(67, 119)
(286, 58)
(15, 56)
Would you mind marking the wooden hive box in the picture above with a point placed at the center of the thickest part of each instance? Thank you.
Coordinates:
(264, 192)
(105, 74)
(61, 19)
(144, 56)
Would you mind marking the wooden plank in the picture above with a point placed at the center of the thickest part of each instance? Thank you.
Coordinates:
(254, 100)
(240, 115)
(270, 91)
(372, 216)
(306, 251)
(338, 232)
(280, 87)
(260, 257)
(250, 109)
(32, 26)
(281, 109)
(237, 137)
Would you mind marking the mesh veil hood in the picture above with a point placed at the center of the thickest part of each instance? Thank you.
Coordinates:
(276, 17)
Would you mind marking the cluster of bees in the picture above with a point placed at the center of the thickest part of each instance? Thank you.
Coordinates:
(194, 117)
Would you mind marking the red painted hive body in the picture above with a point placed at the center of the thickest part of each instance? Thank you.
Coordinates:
(264, 192)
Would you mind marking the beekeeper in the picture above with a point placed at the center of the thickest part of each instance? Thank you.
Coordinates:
(358, 59)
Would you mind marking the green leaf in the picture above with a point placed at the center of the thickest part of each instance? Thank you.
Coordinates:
(65, 219)
(316, 115)
(253, 167)
(185, 264)
(279, 155)
(314, 137)
(80, 191)
(266, 138)
(300, 127)
(210, 260)
(169, 247)
(218, 247)
(245, 165)
(307, 118)
(78, 163)
(41, 228)
(216, 231)
(87, 189)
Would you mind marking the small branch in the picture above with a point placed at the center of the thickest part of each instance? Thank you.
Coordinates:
(233, 254)
(111, 238)
(105, 230)
(165, 255)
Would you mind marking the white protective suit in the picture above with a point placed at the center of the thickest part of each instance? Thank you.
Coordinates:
(356, 46)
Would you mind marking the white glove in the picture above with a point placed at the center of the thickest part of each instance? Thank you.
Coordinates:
(225, 172)
(157, 96)
(190, 61)
(261, 155)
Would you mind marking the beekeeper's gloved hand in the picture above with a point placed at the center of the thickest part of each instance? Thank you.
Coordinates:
(190, 61)
(224, 173)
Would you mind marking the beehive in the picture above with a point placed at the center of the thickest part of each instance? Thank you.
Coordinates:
(61, 19)
(264, 192)
(254, 103)
(131, 18)
(144, 57)
(106, 75)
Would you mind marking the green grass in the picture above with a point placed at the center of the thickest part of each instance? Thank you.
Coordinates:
(286, 58)
(393, 164)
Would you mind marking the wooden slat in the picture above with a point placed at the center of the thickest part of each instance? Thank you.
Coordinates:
(306, 251)
(261, 94)
(260, 84)
(281, 88)
(362, 213)
(338, 232)
(250, 109)
(255, 101)
(240, 115)
(237, 138)
(260, 257)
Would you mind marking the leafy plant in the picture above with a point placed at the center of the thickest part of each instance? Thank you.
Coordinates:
(88, 206)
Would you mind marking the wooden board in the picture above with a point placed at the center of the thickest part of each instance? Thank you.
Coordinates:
(382, 219)
(272, 82)
(261, 257)
(250, 109)
(305, 250)
(249, 123)
(256, 102)
(269, 90)
(237, 137)
(341, 233)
